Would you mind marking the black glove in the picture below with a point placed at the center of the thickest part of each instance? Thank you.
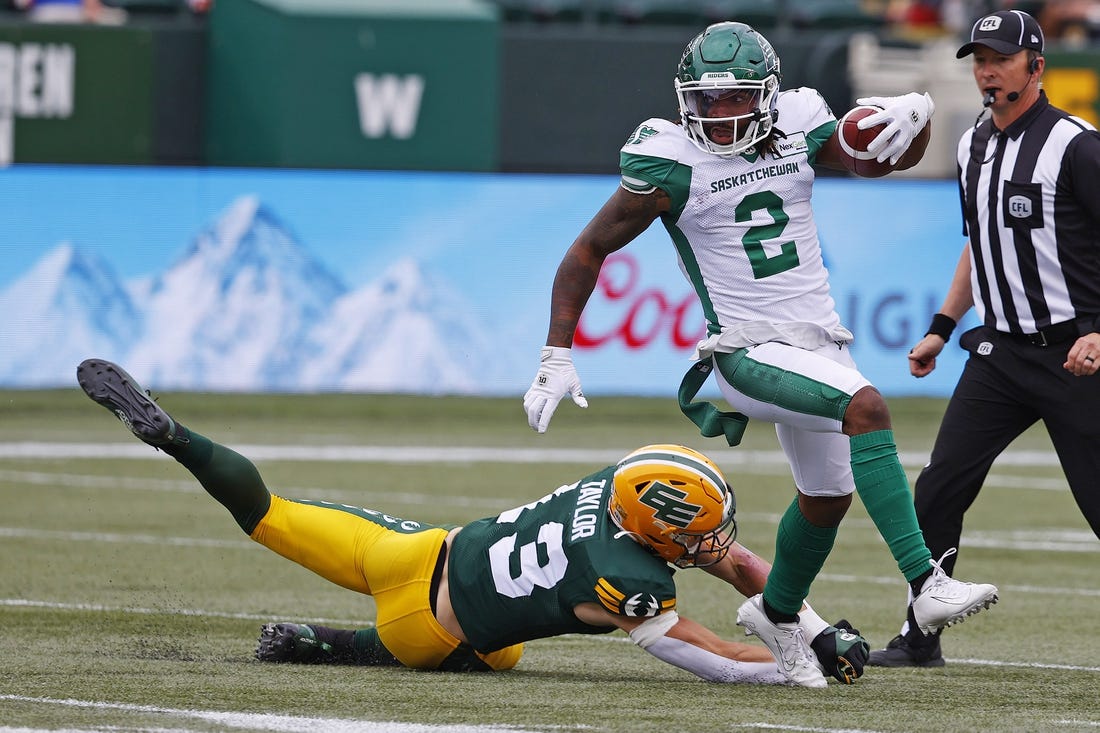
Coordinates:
(842, 651)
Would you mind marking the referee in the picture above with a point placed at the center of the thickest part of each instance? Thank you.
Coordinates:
(1029, 180)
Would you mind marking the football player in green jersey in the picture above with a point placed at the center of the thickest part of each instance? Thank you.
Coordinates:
(731, 182)
(591, 557)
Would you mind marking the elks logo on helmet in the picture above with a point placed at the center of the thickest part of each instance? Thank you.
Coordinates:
(668, 504)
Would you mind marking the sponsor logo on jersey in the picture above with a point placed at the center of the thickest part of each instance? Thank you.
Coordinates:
(793, 144)
(758, 174)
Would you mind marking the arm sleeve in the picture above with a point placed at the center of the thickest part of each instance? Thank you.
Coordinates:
(713, 667)
(652, 636)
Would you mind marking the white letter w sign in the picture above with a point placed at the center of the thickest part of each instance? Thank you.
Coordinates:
(388, 104)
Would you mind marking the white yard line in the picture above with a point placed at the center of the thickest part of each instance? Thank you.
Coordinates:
(196, 612)
(744, 462)
(447, 454)
(257, 721)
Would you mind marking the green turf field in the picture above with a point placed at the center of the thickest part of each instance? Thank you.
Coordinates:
(129, 600)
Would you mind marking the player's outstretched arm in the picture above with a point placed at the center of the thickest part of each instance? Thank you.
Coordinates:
(691, 646)
(618, 222)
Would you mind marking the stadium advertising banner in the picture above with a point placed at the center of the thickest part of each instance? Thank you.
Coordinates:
(339, 84)
(295, 280)
(73, 93)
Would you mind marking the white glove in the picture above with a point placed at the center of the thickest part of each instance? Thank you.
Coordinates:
(556, 378)
(907, 115)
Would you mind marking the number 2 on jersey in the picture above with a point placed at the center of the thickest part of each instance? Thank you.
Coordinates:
(763, 265)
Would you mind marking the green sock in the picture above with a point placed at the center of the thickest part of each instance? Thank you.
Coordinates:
(226, 475)
(884, 489)
(369, 649)
(800, 551)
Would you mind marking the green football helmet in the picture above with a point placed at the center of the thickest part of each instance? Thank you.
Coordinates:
(728, 60)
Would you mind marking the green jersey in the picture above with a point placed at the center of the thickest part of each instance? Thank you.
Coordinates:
(517, 576)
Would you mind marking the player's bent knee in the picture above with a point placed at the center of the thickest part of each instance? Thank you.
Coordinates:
(867, 412)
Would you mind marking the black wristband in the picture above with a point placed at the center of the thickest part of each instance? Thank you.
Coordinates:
(942, 326)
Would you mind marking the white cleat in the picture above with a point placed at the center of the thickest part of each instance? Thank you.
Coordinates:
(793, 655)
(944, 601)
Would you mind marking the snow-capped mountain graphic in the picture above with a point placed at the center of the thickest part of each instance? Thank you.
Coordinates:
(247, 307)
(233, 312)
(66, 304)
(405, 331)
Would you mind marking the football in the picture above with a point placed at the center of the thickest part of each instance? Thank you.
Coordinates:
(854, 142)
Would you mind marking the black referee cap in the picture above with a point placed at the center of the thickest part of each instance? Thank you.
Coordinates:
(1006, 31)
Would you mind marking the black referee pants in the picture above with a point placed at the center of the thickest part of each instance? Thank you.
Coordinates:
(1007, 385)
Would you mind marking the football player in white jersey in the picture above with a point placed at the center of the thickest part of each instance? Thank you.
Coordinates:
(732, 183)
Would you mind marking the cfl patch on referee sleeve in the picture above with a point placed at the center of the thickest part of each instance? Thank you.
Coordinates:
(637, 605)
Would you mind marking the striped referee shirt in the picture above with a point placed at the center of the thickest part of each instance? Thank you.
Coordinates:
(1031, 207)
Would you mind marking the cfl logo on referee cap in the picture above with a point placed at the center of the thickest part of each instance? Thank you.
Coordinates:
(990, 23)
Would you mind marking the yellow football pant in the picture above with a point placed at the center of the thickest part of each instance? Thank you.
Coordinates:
(386, 557)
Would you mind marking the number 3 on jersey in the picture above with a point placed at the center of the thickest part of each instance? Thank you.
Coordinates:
(518, 571)
(763, 265)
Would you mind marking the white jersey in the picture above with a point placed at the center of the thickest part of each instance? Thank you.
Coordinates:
(743, 226)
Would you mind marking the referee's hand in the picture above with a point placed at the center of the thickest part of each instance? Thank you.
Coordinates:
(1083, 358)
(922, 357)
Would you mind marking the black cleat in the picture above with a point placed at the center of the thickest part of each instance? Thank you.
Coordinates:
(109, 385)
(295, 643)
(900, 653)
